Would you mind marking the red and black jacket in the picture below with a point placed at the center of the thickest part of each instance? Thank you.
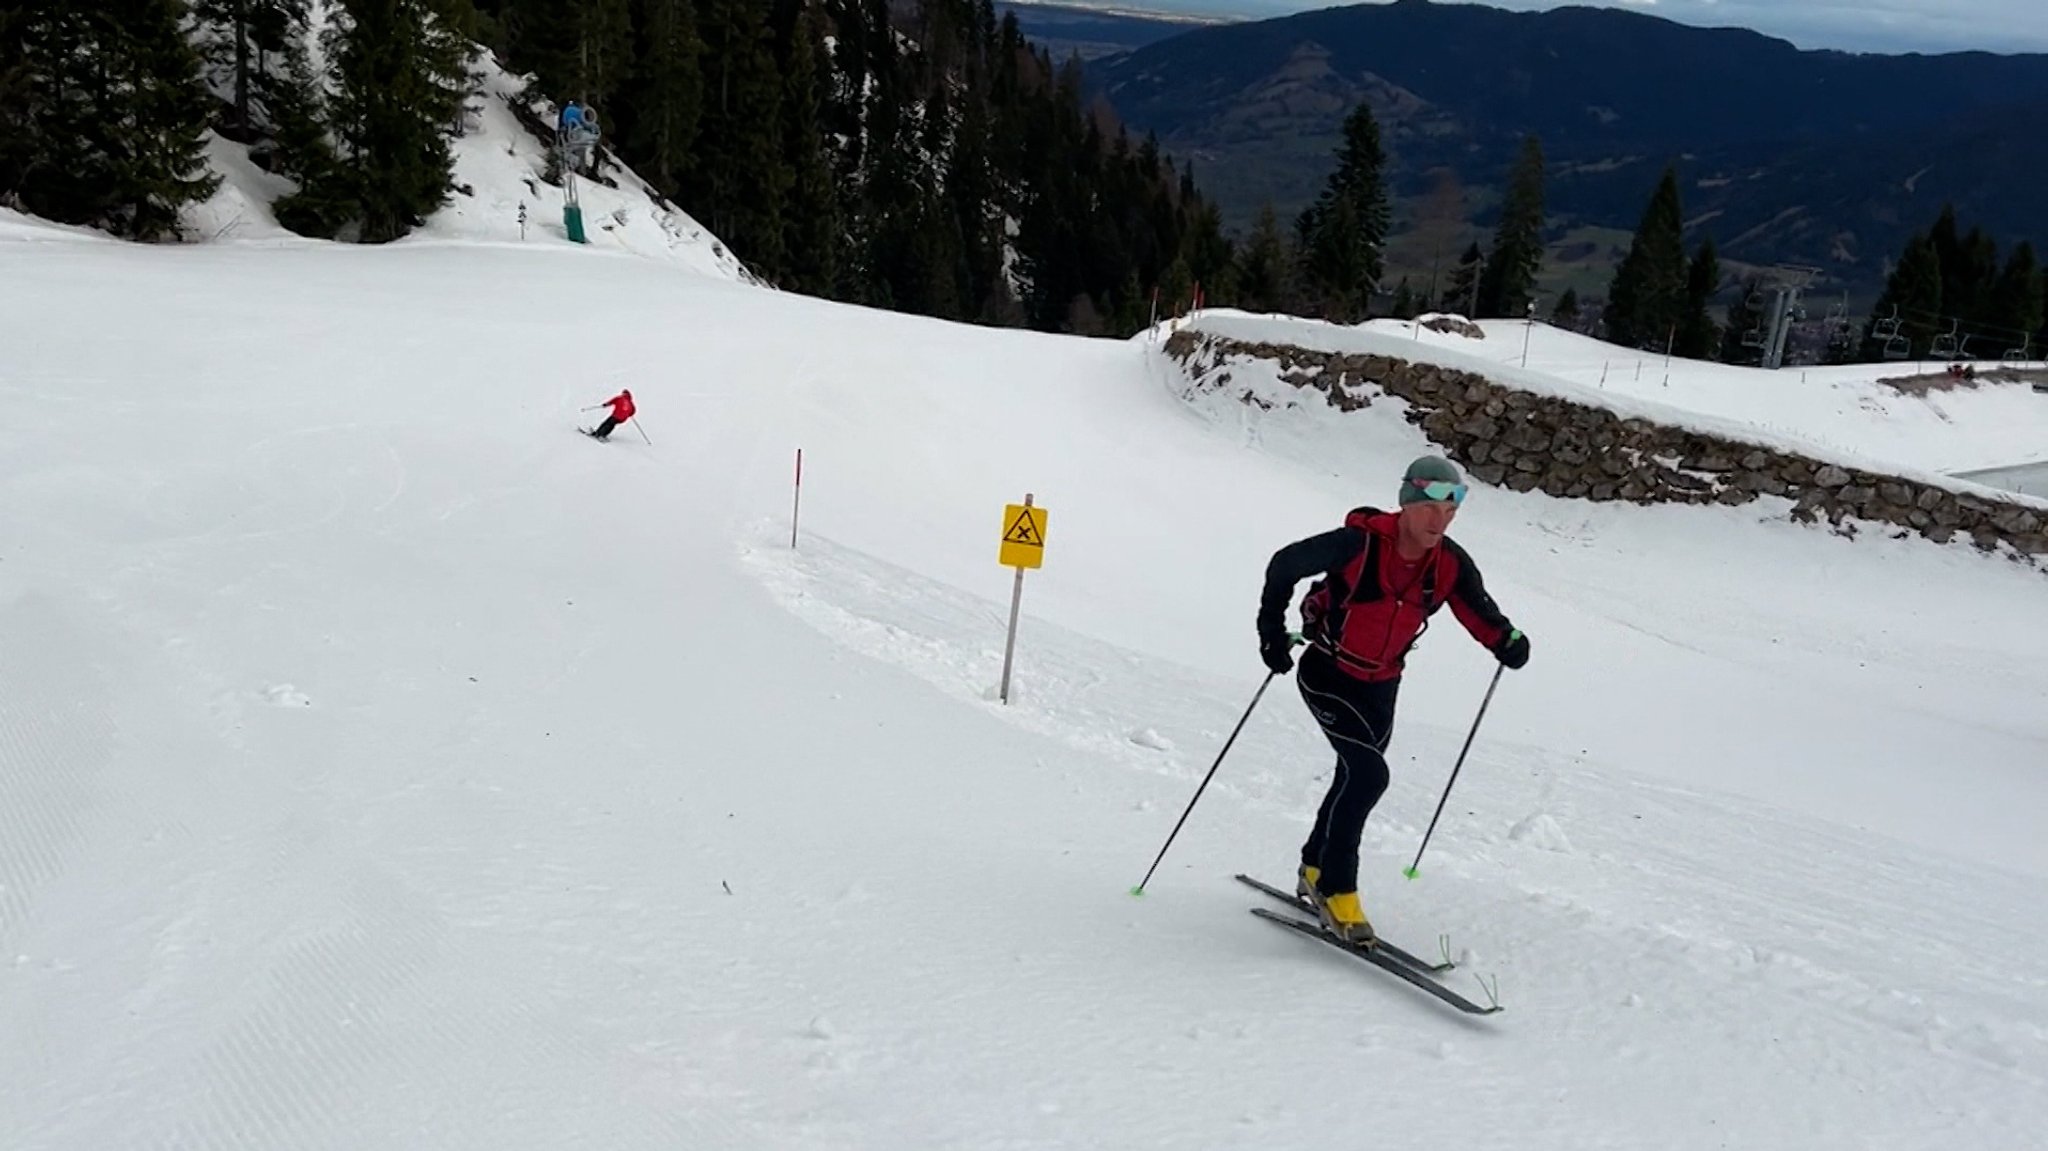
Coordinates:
(1356, 613)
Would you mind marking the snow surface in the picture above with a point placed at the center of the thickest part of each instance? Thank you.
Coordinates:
(1842, 414)
(499, 170)
(2026, 479)
(383, 765)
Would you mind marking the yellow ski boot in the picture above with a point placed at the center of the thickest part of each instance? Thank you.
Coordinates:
(1305, 882)
(1344, 918)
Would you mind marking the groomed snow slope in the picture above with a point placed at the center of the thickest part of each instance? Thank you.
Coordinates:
(384, 765)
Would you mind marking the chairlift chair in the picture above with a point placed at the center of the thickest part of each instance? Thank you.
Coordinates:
(1944, 346)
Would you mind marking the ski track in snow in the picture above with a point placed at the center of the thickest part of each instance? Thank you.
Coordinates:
(56, 735)
(1674, 923)
(275, 961)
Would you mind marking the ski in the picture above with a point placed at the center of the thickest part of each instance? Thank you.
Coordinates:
(1378, 958)
(1301, 905)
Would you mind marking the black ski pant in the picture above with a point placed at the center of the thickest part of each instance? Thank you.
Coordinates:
(1358, 719)
(604, 429)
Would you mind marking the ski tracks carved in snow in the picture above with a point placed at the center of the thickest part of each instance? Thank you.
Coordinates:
(287, 1072)
(56, 737)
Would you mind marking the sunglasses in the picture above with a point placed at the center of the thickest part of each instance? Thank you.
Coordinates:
(1441, 490)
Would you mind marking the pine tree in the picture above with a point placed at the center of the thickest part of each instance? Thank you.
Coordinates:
(74, 114)
(1265, 271)
(231, 51)
(1951, 284)
(889, 209)
(400, 76)
(1506, 286)
(605, 59)
(1464, 285)
(1343, 233)
(947, 145)
(1646, 302)
(2015, 311)
(1920, 295)
(1912, 295)
(325, 201)
(811, 218)
(1698, 336)
(1055, 169)
(1969, 269)
(161, 153)
(246, 46)
(933, 279)
(1131, 310)
(581, 51)
(1945, 239)
(294, 104)
(1404, 305)
(741, 178)
(74, 172)
(286, 97)
(853, 95)
(667, 97)
(19, 124)
(109, 111)
(846, 100)
(1176, 283)
(1565, 313)
(1967, 288)
(1210, 257)
(974, 199)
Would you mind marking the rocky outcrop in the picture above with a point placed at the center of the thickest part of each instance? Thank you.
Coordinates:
(1526, 442)
(1455, 326)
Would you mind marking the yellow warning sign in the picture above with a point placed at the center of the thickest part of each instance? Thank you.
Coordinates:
(1023, 536)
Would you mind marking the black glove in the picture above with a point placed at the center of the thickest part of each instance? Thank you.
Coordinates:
(1513, 649)
(1277, 652)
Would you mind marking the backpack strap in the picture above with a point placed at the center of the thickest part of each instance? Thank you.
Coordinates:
(1368, 586)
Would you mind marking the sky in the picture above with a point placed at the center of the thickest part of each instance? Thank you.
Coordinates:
(1849, 25)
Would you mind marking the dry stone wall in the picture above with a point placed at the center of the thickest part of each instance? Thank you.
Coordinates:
(1527, 442)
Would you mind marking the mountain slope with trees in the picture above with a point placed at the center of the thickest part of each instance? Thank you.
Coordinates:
(920, 156)
(1817, 158)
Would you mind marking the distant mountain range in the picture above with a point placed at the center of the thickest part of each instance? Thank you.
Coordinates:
(1093, 32)
(1816, 158)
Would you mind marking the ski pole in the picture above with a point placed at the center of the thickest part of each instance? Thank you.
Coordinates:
(1409, 871)
(1140, 889)
(641, 430)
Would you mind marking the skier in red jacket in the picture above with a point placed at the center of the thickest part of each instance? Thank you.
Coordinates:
(1383, 575)
(622, 410)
